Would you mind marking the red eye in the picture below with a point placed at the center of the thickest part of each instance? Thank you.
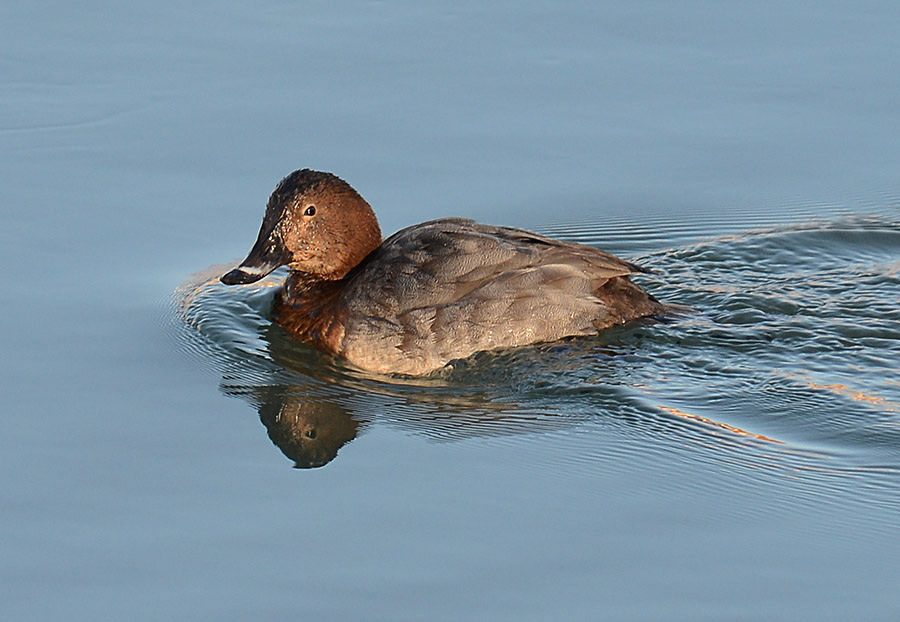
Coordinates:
(310, 211)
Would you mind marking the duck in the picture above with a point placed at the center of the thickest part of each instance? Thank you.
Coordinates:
(432, 293)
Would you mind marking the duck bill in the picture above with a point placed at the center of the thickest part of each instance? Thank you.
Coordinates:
(266, 255)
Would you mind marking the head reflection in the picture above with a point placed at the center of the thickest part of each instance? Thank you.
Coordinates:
(307, 431)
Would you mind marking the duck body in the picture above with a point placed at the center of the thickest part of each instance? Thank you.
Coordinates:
(437, 291)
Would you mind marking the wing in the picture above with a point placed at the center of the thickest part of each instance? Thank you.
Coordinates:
(448, 288)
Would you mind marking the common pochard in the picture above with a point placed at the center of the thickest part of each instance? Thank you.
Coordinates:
(433, 292)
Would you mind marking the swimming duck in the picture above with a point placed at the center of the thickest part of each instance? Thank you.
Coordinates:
(431, 293)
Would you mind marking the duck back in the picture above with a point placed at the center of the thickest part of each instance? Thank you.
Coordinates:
(445, 289)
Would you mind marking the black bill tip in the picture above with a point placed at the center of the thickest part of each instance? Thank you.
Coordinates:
(239, 276)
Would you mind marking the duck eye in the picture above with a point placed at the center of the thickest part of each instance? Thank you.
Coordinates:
(310, 211)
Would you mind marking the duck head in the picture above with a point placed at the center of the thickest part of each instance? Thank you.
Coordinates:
(315, 223)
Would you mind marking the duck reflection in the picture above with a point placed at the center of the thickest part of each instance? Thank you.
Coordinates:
(311, 410)
(310, 429)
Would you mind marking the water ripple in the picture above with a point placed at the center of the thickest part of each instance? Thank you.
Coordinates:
(785, 368)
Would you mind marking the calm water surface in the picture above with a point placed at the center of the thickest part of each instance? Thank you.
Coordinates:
(740, 462)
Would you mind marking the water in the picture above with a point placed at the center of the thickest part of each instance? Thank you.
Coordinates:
(738, 462)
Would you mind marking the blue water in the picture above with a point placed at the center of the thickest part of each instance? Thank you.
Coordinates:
(739, 462)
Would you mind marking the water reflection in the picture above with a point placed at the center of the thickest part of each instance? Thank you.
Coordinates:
(311, 407)
(308, 430)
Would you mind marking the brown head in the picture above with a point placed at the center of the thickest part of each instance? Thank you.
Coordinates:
(315, 223)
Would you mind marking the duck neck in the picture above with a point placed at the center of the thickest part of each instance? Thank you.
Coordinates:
(308, 306)
(302, 286)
